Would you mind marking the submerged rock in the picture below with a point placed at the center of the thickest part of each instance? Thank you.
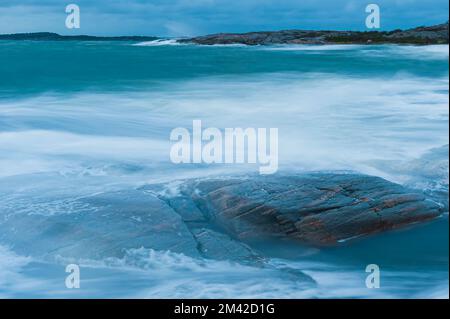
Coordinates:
(105, 225)
(219, 246)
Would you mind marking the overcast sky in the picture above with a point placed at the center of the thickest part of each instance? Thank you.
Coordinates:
(194, 17)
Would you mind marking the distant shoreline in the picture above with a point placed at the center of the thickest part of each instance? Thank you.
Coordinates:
(50, 36)
(436, 34)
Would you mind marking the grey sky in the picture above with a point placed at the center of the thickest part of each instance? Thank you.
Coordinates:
(192, 17)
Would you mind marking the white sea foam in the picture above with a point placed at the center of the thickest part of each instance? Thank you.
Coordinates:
(157, 274)
(175, 42)
(428, 52)
(355, 120)
(159, 42)
(145, 273)
(179, 276)
(12, 281)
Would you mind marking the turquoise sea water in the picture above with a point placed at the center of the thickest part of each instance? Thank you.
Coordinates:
(82, 118)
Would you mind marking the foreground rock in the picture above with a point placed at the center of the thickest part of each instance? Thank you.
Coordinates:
(111, 224)
(210, 218)
(319, 209)
(437, 34)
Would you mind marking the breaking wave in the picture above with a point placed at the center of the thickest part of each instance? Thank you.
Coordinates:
(157, 43)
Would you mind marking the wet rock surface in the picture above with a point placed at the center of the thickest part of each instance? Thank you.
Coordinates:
(214, 218)
(318, 209)
(105, 225)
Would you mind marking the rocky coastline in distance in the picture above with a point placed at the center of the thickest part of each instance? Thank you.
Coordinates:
(436, 34)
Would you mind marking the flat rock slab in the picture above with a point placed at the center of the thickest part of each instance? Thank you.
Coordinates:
(104, 225)
(319, 209)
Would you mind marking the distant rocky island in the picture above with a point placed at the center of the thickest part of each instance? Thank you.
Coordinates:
(50, 36)
(437, 34)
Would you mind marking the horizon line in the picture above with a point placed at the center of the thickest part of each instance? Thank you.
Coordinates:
(224, 32)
